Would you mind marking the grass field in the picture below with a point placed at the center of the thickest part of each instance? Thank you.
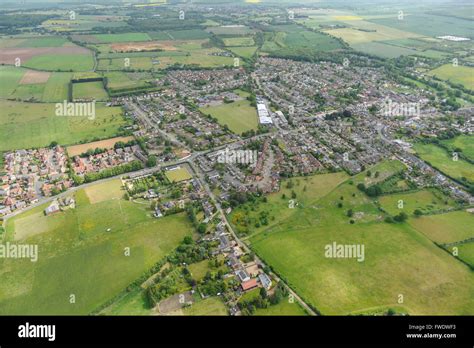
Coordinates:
(238, 41)
(428, 201)
(457, 74)
(445, 228)
(208, 306)
(89, 91)
(125, 37)
(78, 256)
(466, 252)
(27, 125)
(398, 259)
(245, 52)
(463, 142)
(239, 116)
(283, 308)
(133, 303)
(440, 159)
(179, 174)
(63, 62)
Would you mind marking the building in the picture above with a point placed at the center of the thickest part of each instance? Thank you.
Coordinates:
(263, 115)
(249, 284)
(53, 208)
(265, 280)
(243, 276)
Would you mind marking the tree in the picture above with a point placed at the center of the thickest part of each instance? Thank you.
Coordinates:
(151, 162)
(202, 228)
(417, 212)
(400, 217)
(350, 213)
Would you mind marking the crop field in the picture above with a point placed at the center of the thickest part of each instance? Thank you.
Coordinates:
(89, 91)
(445, 228)
(244, 52)
(431, 25)
(239, 116)
(383, 50)
(102, 144)
(79, 256)
(457, 74)
(427, 201)
(441, 285)
(179, 174)
(27, 125)
(440, 159)
(465, 143)
(126, 37)
(232, 30)
(291, 37)
(25, 84)
(133, 303)
(63, 62)
(239, 41)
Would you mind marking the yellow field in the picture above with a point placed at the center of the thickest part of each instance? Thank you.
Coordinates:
(102, 144)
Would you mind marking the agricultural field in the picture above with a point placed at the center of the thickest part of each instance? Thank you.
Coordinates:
(178, 174)
(463, 75)
(63, 62)
(76, 150)
(344, 286)
(445, 228)
(238, 41)
(288, 38)
(89, 91)
(239, 116)
(82, 253)
(231, 30)
(439, 158)
(32, 85)
(39, 125)
(132, 303)
(427, 201)
(244, 52)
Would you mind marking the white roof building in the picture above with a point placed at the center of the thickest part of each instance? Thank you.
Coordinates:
(263, 115)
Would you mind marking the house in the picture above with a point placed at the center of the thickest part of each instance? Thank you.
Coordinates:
(243, 276)
(265, 281)
(249, 284)
(53, 208)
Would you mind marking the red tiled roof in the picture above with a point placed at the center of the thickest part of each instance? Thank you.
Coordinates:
(249, 284)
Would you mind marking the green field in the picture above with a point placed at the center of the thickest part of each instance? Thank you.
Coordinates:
(283, 308)
(398, 259)
(126, 37)
(239, 116)
(83, 253)
(457, 74)
(440, 159)
(245, 52)
(239, 41)
(445, 228)
(10, 79)
(27, 125)
(63, 62)
(466, 252)
(427, 201)
(89, 91)
(465, 143)
(133, 303)
(177, 175)
(56, 89)
(208, 306)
